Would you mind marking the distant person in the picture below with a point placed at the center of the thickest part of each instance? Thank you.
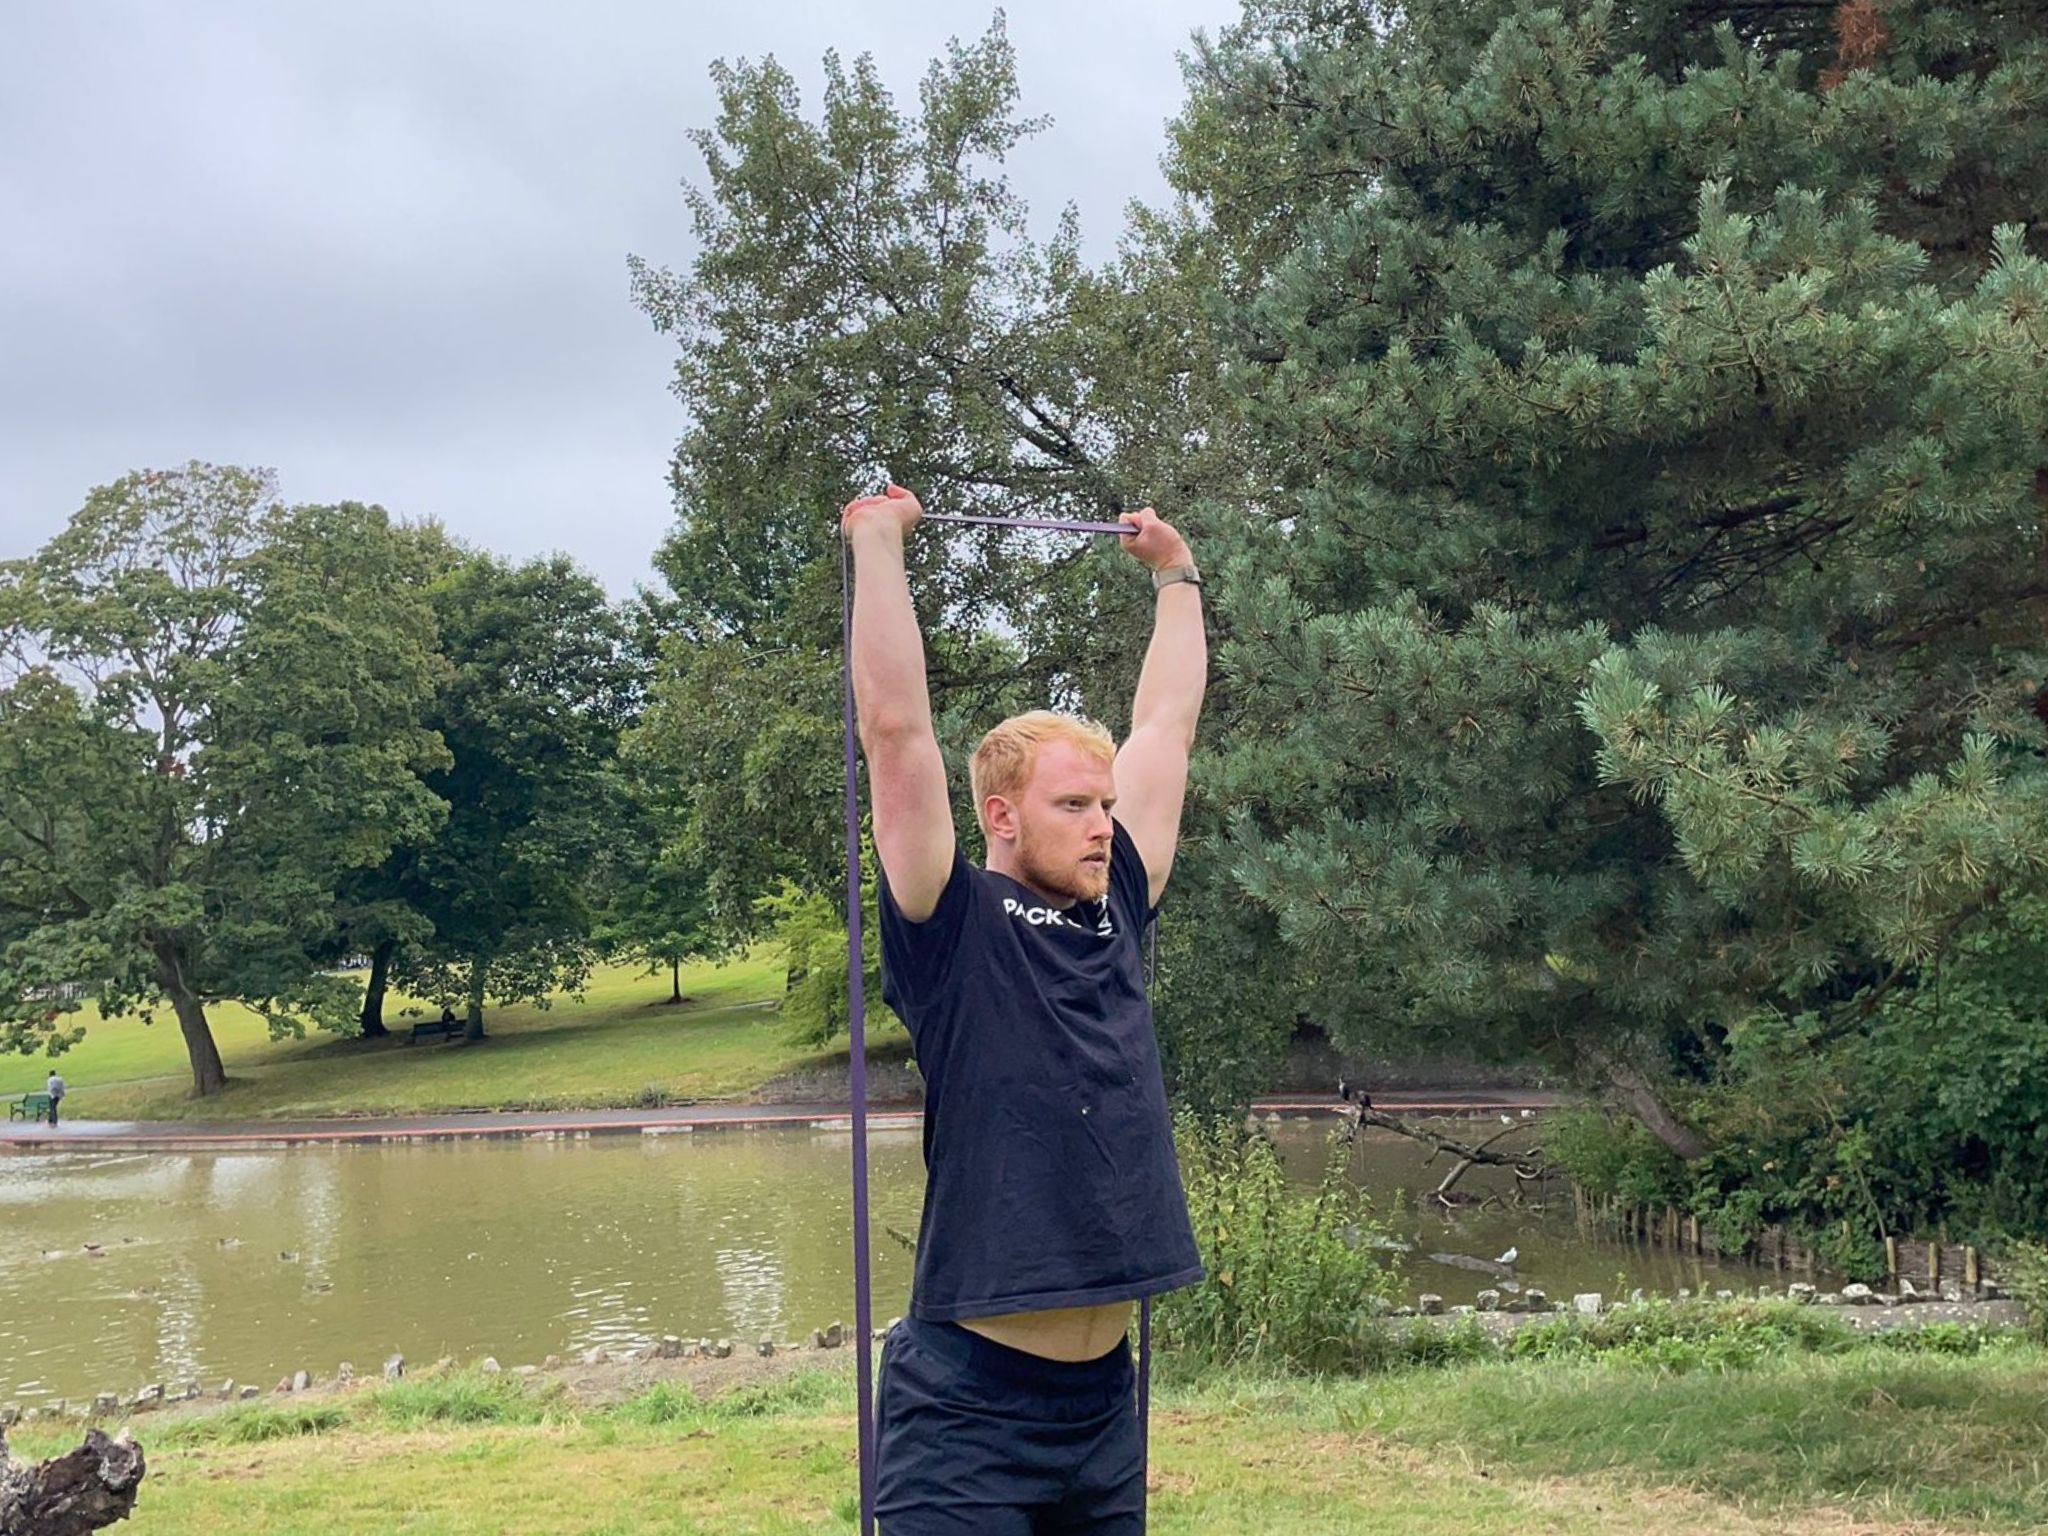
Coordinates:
(55, 1089)
(447, 1016)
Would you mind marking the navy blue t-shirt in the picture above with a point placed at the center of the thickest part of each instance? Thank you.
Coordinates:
(1050, 1178)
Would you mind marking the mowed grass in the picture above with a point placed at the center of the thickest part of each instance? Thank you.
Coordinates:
(1870, 1442)
(612, 1047)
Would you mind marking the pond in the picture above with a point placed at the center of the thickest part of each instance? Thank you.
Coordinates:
(119, 1270)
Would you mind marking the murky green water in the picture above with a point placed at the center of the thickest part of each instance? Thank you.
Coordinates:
(255, 1264)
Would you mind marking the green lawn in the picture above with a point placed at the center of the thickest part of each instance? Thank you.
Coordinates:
(620, 1040)
(1870, 1442)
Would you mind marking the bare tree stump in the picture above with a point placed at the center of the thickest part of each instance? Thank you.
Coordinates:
(73, 1494)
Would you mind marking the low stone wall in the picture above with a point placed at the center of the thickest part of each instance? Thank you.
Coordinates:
(831, 1341)
(1859, 1306)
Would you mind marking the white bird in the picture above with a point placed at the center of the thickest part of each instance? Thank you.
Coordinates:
(1509, 1257)
(1507, 1119)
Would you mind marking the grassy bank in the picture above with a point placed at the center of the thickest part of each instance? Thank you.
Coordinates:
(610, 1047)
(1869, 1440)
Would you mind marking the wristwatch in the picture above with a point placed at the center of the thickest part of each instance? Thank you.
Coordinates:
(1167, 575)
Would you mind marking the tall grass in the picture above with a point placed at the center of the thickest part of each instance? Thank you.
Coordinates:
(1293, 1279)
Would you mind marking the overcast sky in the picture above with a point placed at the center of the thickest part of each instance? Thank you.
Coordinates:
(381, 246)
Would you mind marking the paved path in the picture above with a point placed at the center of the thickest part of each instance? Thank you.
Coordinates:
(183, 1135)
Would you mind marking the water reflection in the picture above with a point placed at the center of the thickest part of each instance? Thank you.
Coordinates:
(120, 1271)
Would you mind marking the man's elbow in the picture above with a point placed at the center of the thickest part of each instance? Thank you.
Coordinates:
(1170, 728)
(892, 730)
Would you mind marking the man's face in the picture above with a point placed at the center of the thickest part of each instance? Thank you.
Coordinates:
(1063, 827)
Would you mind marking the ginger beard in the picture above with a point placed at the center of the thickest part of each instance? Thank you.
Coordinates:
(1070, 874)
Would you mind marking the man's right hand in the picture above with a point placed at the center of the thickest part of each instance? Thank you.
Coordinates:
(895, 508)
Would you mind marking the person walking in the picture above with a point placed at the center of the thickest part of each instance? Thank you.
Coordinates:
(54, 1087)
(1053, 1200)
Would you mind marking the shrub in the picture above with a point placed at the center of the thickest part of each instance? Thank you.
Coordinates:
(1293, 1279)
(2026, 1276)
(1614, 1158)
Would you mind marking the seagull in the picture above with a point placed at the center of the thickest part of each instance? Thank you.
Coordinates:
(1509, 1257)
(1507, 1119)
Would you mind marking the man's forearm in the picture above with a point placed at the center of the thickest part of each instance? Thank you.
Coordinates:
(1176, 671)
(889, 689)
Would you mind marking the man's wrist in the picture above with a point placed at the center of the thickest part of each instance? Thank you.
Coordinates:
(1181, 556)
(882, 532)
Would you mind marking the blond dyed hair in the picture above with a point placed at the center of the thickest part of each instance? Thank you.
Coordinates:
(1003, 762)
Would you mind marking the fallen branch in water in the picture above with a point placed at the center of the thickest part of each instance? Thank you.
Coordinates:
(73, 1494)
(1527, 1163)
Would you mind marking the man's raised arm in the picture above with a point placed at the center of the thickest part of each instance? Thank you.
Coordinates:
(1152, 764)
(906, 775)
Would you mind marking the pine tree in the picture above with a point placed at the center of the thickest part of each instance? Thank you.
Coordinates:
(1641, 630)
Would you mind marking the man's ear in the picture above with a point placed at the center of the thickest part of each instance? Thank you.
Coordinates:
(999, 817)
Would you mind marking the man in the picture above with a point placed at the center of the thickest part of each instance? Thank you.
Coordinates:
(1052, 1198)
(55, 1089)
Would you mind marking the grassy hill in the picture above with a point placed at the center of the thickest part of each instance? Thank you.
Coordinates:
(621, 1043)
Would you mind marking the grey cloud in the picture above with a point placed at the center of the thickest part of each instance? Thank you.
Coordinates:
(381, 246)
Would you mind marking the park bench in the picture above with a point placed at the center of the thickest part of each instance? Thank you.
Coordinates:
(30, 1106)
(435, 1027)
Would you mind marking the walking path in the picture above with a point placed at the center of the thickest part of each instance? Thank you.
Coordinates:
(182, 1135)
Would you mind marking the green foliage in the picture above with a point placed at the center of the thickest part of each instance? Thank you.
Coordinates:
(868, 298)
(1612, 433)
(1292, 1278)
(1613, 1158)
(211, 719)
(2026, 1276)
(1639, 632)
(810, 930)
(1918, 1109)
(1677, 1336)
(536, 691)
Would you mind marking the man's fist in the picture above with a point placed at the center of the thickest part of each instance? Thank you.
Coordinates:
(895, 508)
(1156, 545)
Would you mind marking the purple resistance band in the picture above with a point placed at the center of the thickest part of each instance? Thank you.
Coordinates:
(857, 1040)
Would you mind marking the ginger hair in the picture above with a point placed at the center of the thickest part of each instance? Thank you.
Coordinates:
(1003, 762)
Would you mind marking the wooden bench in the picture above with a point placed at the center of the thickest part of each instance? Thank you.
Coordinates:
(448, 1027)
(30, 1106)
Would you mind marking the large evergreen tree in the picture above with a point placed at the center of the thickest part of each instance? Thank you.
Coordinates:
(1642, 630)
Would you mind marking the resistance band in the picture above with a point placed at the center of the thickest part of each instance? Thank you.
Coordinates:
(856, 1030)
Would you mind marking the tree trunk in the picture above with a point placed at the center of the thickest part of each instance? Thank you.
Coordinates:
(73, 1494)
(208, 1075)
(675, 980)
(1641, 1097)
(479, 973)
(373, 994)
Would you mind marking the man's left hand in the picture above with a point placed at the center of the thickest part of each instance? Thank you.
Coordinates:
(1157, 544)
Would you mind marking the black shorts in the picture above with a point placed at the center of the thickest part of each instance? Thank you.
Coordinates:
(976, 1437)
